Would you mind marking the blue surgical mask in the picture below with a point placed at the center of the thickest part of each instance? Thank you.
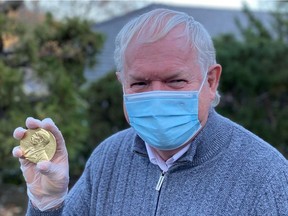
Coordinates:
(165, 120)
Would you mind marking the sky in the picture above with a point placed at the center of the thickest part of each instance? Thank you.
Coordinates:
(102, 15)
(236, 4)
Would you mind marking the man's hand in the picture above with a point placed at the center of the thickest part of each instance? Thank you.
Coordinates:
(47, 181)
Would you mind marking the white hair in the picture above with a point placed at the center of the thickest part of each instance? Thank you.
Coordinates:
(156, 24)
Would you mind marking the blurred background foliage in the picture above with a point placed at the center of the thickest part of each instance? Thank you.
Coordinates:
(42, 75)
(254, 81)
(105, 110)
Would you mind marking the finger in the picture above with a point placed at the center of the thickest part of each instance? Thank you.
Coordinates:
(33, 123)
(17, 152)
(48, 124)
(19, 133)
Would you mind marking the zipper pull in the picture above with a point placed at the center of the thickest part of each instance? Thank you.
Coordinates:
(160, 181)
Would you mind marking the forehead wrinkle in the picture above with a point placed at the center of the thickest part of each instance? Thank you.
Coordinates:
(138, 58)
(154, 75)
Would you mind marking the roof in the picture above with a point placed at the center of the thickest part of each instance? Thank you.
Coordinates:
(216, 21)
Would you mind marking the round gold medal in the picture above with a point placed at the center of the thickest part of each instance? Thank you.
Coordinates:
(38, 145)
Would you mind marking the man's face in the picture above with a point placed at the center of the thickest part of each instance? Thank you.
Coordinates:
(167, 65)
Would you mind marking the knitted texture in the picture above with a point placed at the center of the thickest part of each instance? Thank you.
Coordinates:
(227, 171)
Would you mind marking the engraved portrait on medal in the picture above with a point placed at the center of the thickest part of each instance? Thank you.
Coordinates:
(38, 145)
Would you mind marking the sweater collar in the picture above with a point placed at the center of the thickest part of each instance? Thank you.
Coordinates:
(213, 137)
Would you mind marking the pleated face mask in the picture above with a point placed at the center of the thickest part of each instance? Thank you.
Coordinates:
(165, 120)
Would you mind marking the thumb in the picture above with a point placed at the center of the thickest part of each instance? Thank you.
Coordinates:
(55, 172)
(44, 167)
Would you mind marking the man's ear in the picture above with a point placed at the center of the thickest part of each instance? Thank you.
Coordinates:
(213, 78)
(120, 79)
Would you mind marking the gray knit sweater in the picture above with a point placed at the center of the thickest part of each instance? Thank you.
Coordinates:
(226, 171)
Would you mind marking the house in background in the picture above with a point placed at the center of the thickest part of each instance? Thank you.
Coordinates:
(216, 21)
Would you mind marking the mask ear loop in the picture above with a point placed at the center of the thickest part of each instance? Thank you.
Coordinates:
(123, 90)
(202, 84)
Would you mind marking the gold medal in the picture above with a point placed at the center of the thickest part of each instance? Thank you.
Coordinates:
(38, 145)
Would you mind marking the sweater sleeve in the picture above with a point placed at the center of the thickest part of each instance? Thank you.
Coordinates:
(32, 211)
(272, 199)
(79, 198)
(83, 196)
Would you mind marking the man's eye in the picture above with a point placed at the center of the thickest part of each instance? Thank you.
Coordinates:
(138, 84)
(177, 83)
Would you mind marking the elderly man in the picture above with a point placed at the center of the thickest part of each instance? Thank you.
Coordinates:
(179, 157)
